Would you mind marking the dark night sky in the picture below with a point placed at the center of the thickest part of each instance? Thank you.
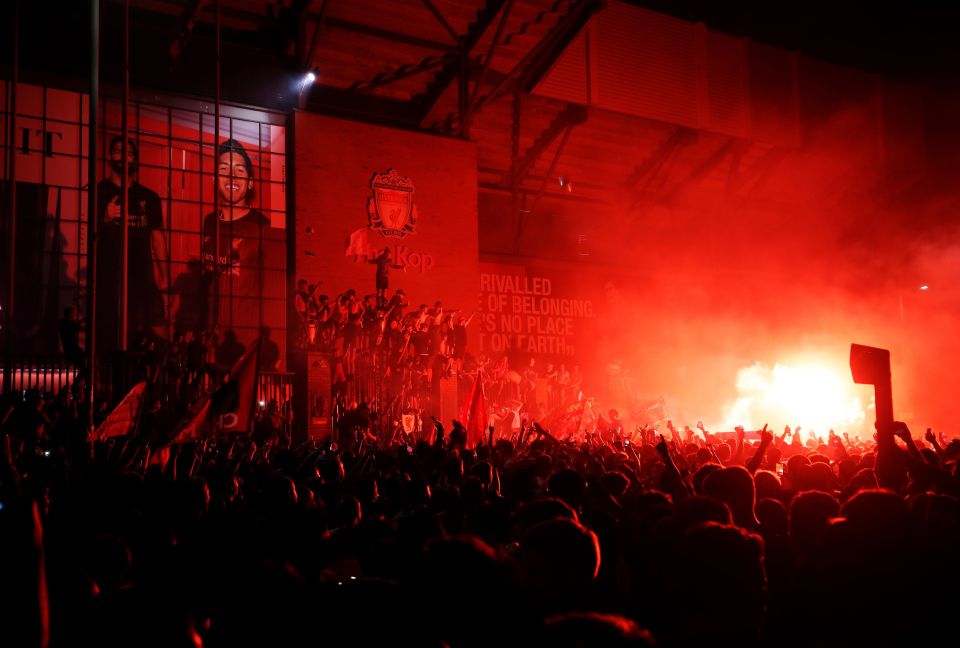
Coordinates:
(909, 41)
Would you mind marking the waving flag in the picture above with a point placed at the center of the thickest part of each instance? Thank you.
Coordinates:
(123, 419)
(358, 244)
(564, 422)
(229, 408)
(473, 413)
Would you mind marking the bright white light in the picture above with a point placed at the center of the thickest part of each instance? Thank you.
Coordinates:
(309, 78)
(262, 403)
(924, 287)
(815, 396)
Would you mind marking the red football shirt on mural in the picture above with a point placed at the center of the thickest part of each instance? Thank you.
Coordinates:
(238, 287)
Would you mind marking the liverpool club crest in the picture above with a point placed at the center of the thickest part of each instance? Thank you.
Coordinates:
(391, 207)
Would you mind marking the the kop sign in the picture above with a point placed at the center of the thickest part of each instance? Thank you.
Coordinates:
(393, 213)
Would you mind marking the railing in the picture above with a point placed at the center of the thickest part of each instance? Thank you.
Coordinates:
(51, 374)
(43, 373)
(278, 386)
(275, 386)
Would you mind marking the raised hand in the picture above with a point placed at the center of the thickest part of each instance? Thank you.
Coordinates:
(837, 443)
(901, 430)
(662, 447)
(930, 437)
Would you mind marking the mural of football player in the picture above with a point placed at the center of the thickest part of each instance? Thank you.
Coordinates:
(235, 279)
(146, 263)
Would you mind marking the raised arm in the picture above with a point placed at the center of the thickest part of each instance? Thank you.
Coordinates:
(766, 438)
(837, 442)
(932, 440)
(891, 460)
(671, 480)
(904, 433)
(737, 458)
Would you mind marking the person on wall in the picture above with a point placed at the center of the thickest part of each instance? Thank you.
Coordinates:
(384, 262)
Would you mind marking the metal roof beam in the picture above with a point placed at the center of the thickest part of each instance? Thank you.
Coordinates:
(402, 72)
(432, 8)
(188, 18)
(680, 137)
(572, 115)
(357, 28)
(545, 52)
(455, 66)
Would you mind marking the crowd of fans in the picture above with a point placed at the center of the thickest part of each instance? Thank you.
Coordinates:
(390, 360)
(180, 371)
(611, 539)
(381, 353)
(544, 533)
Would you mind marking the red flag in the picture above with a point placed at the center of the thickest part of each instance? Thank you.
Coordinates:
(565, 421)
(230, 407)
(160, 458)
(473, 413)
(123, 419)
(197, 424)
(238, 395)
(606, 430)
(358, 244)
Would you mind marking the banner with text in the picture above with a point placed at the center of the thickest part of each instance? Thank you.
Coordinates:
(526, 312)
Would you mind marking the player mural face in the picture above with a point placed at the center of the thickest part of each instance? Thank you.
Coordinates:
(116, 155)
(235, 181)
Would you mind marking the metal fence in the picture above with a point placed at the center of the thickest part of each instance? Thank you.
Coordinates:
(51, 374)
(43, 373)
(278, 387)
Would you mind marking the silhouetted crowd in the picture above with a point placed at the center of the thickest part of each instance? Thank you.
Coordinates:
(380, 352)
(625, 539)
(389, 361)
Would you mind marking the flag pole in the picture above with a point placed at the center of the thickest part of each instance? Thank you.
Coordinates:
(125, 181)
(93, 224)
